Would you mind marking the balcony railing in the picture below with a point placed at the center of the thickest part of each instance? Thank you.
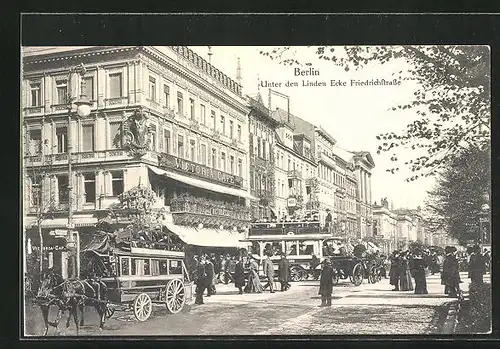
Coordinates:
(33, 110)
(294, 174)
(186, 206)
(115, 101)
(285, 228)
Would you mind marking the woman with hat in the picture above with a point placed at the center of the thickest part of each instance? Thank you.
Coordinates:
(417, 267)
(326, 283)
(253, 284)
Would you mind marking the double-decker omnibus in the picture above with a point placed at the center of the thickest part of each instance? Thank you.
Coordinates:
(298, 240)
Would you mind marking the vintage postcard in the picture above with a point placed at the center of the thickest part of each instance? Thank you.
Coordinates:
(244, 190)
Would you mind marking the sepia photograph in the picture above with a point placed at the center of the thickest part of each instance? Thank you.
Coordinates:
(255, 190)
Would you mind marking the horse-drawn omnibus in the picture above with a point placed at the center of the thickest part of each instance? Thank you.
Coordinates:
(138, 277)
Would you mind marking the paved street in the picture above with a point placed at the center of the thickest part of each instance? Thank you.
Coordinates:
(368, 309)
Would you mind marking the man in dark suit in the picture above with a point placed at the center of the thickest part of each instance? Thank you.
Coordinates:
(326, 283)
(284, 272)
(268, 268)
(477, 266)
(210, 272)
(200, 279)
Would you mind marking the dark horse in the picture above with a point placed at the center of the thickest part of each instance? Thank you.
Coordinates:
(71, 295)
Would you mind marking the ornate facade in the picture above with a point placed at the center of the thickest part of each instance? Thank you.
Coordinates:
(161, 117)
(262, 160)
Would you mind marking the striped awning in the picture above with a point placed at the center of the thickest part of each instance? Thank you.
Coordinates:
(207, 237)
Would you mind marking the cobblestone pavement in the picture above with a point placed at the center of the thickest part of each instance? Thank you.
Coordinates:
(370, 309)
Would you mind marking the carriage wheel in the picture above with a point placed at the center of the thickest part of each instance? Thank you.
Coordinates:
(175, 296)
(110, 310)
(142, 307)
(357, 275)
(295, 273)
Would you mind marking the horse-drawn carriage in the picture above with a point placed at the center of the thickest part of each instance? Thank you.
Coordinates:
(138, 277)
(356, 269)
(118, 277)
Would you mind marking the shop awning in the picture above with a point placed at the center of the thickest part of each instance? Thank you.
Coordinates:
(30, 222)
(205, 236)
(202, 184)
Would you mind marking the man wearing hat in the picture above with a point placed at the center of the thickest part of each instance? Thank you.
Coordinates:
(477, 266)
(326, 283)
(328, 221)
(284, 272)
(268, 269)
(395, 270)
(450, 275)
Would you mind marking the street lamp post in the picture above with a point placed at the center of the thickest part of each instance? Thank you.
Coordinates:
(83, 110)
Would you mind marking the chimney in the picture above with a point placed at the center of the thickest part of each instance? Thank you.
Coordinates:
(210, 54)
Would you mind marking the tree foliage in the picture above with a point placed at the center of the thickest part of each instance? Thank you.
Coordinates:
(451, 103)
(462, 188)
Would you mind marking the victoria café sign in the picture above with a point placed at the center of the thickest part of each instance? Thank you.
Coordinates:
(170, 162)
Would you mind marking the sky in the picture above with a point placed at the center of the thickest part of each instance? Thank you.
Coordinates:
(353, 115)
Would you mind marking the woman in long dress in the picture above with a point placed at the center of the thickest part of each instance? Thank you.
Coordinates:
(405, 279)
(253, 284)
(239, 276)
(418, 265)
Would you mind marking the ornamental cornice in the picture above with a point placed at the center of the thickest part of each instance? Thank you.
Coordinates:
(65, 55)
(186, 79)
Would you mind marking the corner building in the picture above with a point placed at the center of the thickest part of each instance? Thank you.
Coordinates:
(161, 117)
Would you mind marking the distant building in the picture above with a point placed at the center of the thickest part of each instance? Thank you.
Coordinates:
(294, 166)
(262, 159)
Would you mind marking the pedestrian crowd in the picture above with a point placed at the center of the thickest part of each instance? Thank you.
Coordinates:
(408, 265)
(241, 270)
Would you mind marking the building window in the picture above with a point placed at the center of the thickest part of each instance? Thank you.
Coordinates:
(180, 103)
(166, 95)
(62, 183)
(214, 158)
(166, 141)
(152, 88)
(153, 137)
(62, 91)
(240, 168)
(88, 138)
(204, 154)
(223, 161)
(89, 187)
(231, 129)
(203, 115)
(115, 85)
(89, 87)
(35, 142)
(117, 182)
(180, 146)
(62, 139)
(35, 92)
(192, 147)
(222, 124)
(115, 134)
(212, 119)
(231, 164)
(191, 107)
